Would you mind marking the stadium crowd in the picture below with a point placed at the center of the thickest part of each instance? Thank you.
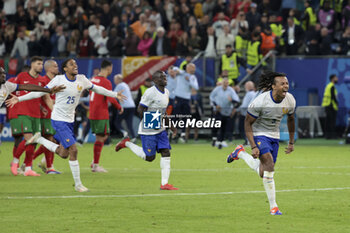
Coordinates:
(113, 28)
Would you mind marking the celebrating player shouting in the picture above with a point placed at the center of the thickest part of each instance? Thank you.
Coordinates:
(99, 115)
(62, 117)
(262, 130)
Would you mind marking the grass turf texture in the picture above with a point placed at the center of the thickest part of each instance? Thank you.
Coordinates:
(214, 196)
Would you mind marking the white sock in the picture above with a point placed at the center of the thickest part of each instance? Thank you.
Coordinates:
(74, 167)
(269, 184)
(15, 160)
(28, 168)
(48, 144)
(252, 163)
(136, 149)
(165, 167)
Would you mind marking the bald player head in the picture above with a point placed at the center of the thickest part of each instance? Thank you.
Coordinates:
(51, 68)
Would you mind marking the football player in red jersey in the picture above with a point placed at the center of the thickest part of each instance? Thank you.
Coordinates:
(99, 115)
(51, 70)
(28, 114)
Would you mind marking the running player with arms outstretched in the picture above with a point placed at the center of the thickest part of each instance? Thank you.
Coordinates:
(155, 99)
(62, 117)
(263, 133)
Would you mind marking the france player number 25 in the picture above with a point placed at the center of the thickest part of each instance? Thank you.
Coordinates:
(70, 99)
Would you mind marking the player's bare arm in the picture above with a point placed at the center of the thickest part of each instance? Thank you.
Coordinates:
(249, 120)
(140, 110)
(32, 87)
(48, 101)
(291, 130)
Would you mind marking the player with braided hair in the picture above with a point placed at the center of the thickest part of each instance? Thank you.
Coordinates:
(262, 130)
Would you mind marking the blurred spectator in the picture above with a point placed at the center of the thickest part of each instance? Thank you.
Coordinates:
(47, 17)
(231, 62)
(192, 22)
(309, 17)
(155, 16)
(145, 44)
(174, 34)
(72, 45)
(224, 39)
(169, 10)
(220, 22)
(34, 46)
(101, 45)
(9, 37)
(184, 15)
(253, 16)
(64, 19)
(293, 37)
(20, 48)
(286, 6)
(45, 43)
(210, 43)
(313, 36)
(254, 55)
(344, 47)
(125, 23)
(21, 16)
(219, 7)
(161, 45)
(140, 26)
(268, 40)
(115, 44)
(241, 42)
(264, 7)
(131, 41)
(198, 9)
(106, 16)
(32, 18)
(346, 15)
(182, 45)
(194, 42)
(59, 43)
(85, 45)
(147, 84)
(10, 8)
(264, 21)
(208, 7)
(326, 17)
(277, 29)
(238, 22)
(326, 41)
(95, 30)
(115, 24)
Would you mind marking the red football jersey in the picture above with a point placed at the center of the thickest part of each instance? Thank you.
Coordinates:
(12, 112)
(99, 103)
(44, 81)
(30, 107)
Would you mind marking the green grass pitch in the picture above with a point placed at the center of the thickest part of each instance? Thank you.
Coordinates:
(313, 192)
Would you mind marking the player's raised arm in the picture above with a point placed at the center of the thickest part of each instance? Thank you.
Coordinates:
(103, 91)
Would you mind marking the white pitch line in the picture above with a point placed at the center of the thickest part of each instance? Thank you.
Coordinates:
(172, 194)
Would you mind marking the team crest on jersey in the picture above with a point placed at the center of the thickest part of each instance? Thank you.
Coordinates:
(67, 140)
(149, 150)
(285, 110)
(80, 88)
(4, 93)
(259, 143)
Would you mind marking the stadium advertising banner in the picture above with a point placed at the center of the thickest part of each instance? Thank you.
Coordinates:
(137, 69)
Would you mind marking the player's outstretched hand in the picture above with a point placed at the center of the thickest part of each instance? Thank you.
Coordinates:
(121, 97)
(11, 102)
(56, 89)
(289, 148)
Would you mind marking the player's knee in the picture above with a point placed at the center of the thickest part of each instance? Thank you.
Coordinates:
(150, 158)
(64, 154)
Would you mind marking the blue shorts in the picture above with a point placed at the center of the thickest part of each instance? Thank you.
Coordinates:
(267, 145)
(64, 133)
(153, 143)
(2, 118)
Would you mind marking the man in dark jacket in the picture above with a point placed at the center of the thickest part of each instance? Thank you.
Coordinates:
(161, 45)
(293, 37)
